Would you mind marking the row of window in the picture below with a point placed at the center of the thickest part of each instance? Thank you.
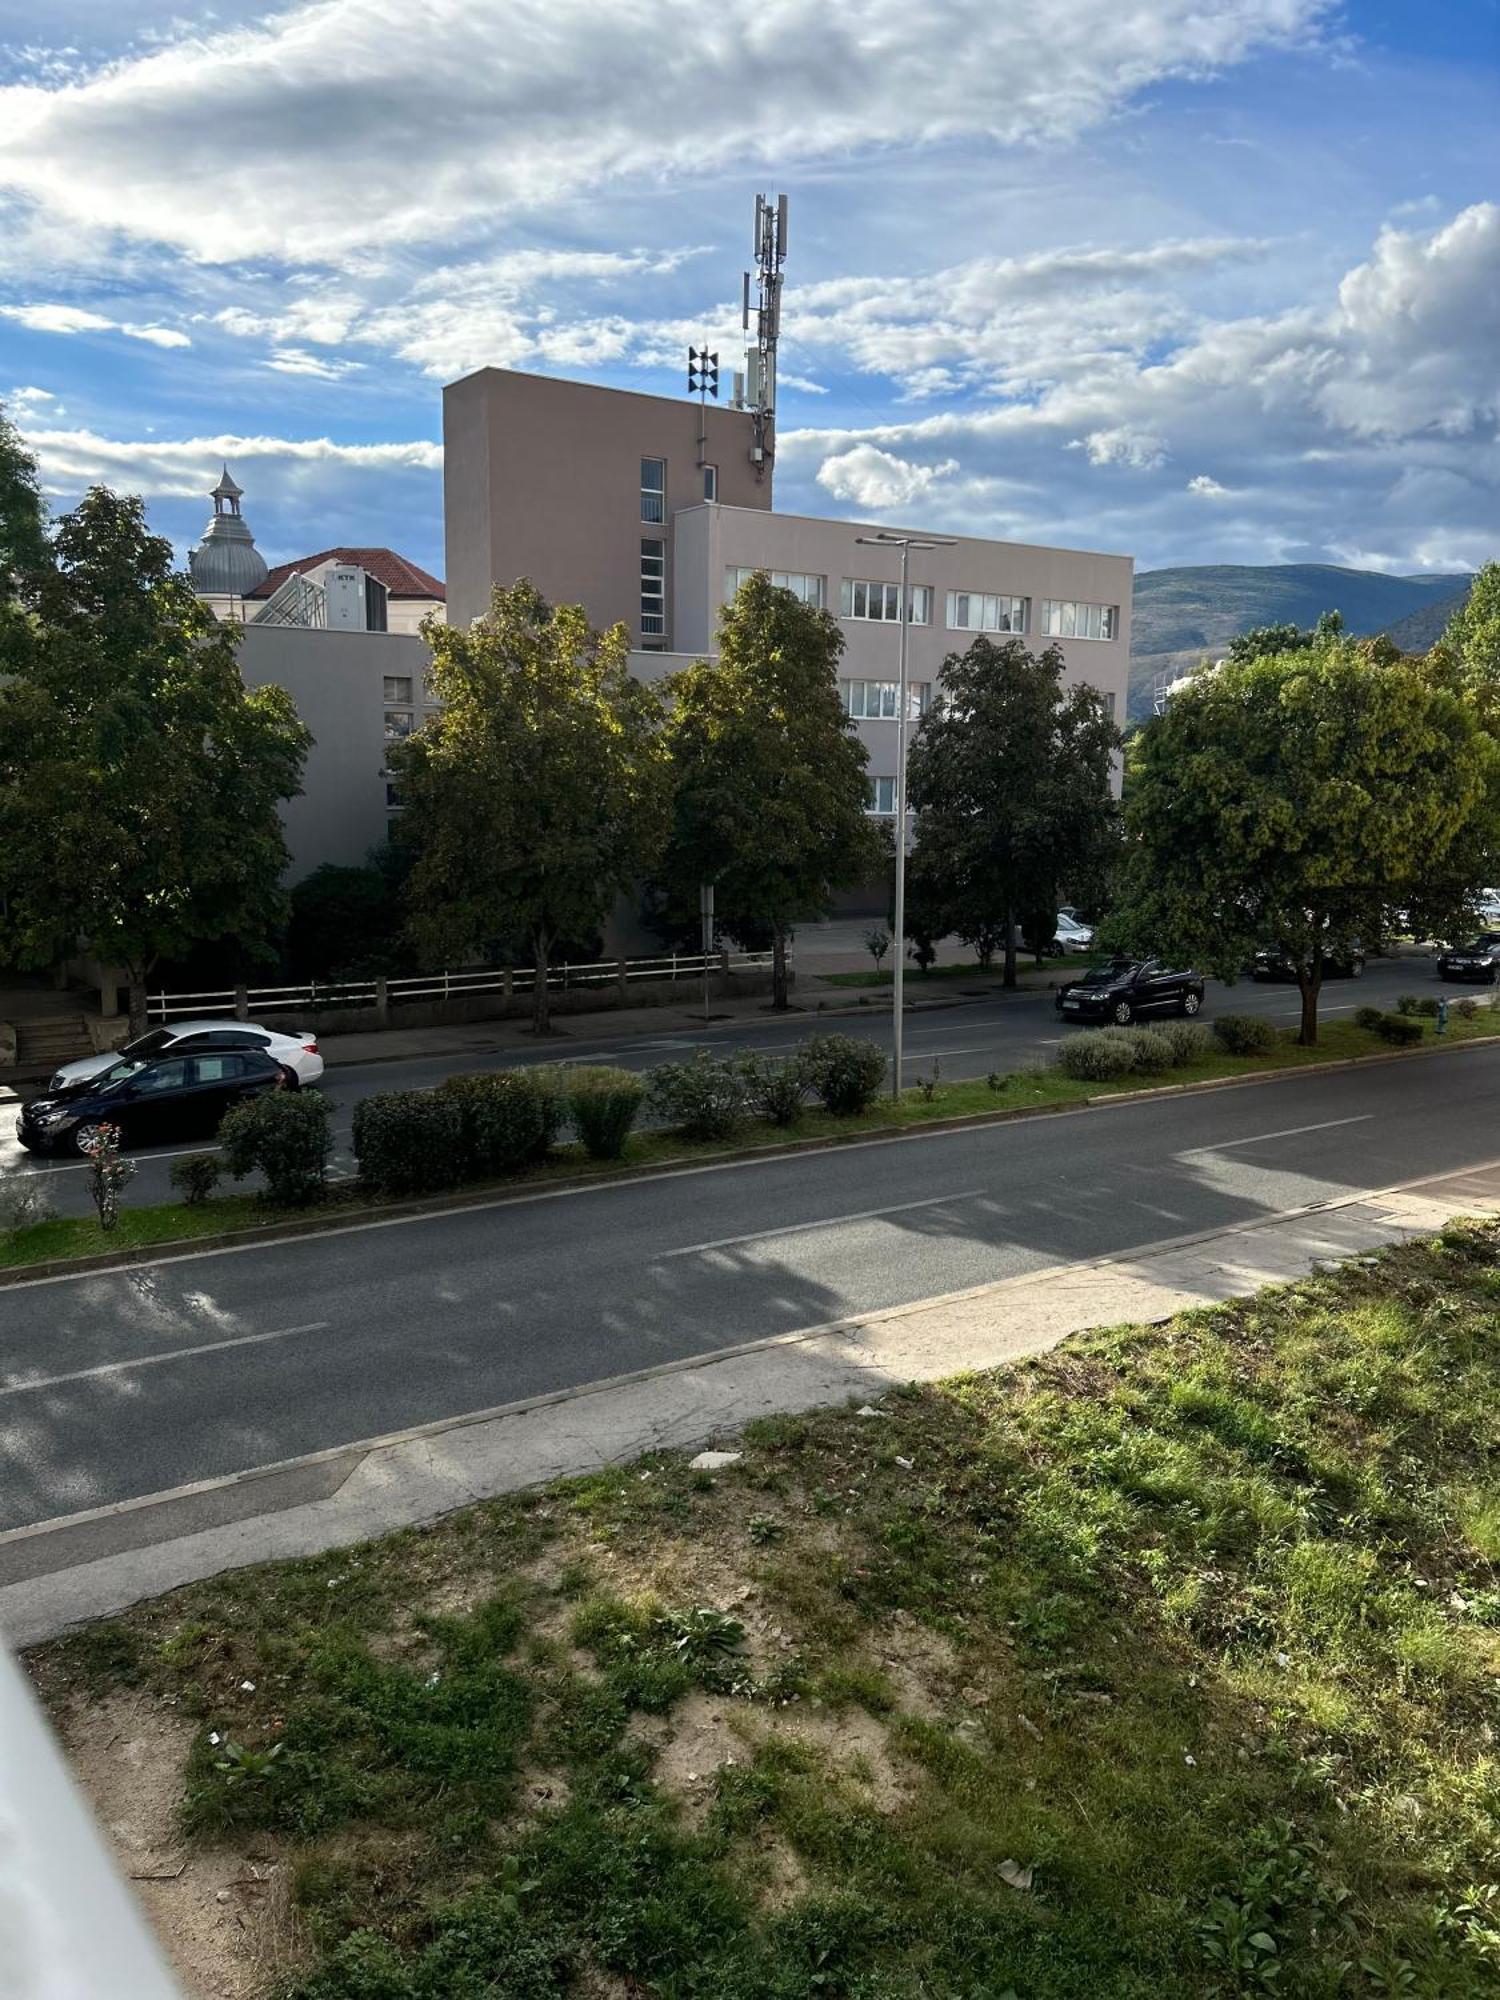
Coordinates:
(967, 610)
(654, 487)
(880, 701)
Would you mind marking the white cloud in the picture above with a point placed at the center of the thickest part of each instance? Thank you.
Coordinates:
(871, 477)
(298, 134)
(297, 361)
(1121, 444)
(73, 319)
(25, 402)
(186, 468)
(1206, 488)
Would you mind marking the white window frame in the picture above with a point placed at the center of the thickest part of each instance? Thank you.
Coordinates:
(874, 602)
(803, 585)
(879, 787)
(710, 482)
(987, 611)
(653, 600)
(879, 701)
(1069, 618)
(400, 723)
(398, 690)
(654, 497)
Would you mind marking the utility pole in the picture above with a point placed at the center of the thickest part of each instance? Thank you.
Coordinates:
(905, 543)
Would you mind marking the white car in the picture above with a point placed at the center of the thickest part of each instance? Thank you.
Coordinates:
(1070, 935)
(298, 1050)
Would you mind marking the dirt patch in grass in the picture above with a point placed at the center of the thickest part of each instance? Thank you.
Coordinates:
(223, 1911)
(1161, 1667)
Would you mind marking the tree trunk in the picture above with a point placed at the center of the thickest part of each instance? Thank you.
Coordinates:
(1309, 985)
(779, 998)
(541, 1012)
(137, 1003)
(1010, 948)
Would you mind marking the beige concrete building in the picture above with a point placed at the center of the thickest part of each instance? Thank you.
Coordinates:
(648, 515)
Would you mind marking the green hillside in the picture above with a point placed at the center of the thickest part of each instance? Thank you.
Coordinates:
(1184, 615)
(1421, 629)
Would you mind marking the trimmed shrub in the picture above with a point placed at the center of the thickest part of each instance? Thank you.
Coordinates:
(845, 1071)
(25, 1198)
(1245, 1034)
(196, 1176)
(706, 1097)
(1400, 1030)
(1153, 1052)
(287, 1136)
(508, 1119)
(410, 1141)
(1423, 1005)
(1189, 1041)
(1098, 1055)
(777, 1087)
(1369, 1018)
(1466, 1009)
(604, 1103)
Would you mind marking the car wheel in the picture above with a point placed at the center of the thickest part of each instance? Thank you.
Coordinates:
(83, 1138)
(1124, 1014)
(1190, 1004)
(1057, 949)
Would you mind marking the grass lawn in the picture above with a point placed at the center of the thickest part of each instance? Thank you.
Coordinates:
(927, 1098)
(1161, 1667)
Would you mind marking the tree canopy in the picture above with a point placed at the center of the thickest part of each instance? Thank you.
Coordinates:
(1297, 801)
(770, 802)
(1009, 778)
(538, 795)
(139, 778)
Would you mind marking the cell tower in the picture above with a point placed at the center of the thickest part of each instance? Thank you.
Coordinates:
(755, 390)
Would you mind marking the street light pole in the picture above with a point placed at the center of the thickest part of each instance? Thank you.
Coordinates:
(906, 543)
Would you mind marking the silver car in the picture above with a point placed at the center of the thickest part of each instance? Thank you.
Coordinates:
(296, 1048)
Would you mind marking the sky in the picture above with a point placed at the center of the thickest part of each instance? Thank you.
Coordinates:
(1198, 283)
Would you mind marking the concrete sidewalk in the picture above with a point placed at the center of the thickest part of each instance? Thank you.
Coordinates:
(89, 1565)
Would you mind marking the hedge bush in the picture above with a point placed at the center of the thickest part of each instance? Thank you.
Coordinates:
(777, 1087)
(287, 1135)
(1424, 1005)
(1246, 1034)
(508, 1119)
(1466, 1009)
(1098, 1055)
(1154, 1054)
(1369, 1018)
(195, 1176)
(1400, 1030)
(604, 1103)
(707, 1097)
(1190, 1041)
(410, 1141)
(845, 1071)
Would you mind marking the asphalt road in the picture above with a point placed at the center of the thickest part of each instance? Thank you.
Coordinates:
(121, 1384)
(967, 1039)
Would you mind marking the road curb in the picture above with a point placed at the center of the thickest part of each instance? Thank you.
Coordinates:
(510, 1193)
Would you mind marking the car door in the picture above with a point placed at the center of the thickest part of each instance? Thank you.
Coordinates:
(1148, 986)
(217, 1081)
(150, 1107)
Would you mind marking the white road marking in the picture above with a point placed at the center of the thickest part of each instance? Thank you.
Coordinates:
(803, 1228)
(1264, 1138)
(152, 1360)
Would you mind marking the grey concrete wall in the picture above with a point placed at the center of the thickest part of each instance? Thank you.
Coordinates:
(337, 681)
(541, 478)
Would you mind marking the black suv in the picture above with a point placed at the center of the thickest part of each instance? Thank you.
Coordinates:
(151, 1099)
(1118, 993)
(1478, 959)
(1271, 962)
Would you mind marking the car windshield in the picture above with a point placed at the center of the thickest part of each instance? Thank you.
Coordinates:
(118, 1072)
(1480, 944)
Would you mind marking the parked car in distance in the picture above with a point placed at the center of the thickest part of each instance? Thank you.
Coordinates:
(297, 1048)
(1120, 992)
(1273, 963)
(151, 1099)
(1070, 935)
(1478, 959)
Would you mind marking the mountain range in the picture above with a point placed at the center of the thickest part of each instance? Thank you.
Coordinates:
(1186, 615)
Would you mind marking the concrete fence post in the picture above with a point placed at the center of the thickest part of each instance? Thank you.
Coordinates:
(242, 1003)
(507, 989)
(622, 978)
(382, 1003)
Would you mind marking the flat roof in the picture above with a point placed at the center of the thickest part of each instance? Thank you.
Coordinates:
(763, 514)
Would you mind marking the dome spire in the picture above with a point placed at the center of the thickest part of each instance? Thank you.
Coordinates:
(226, 563)
(226, 494)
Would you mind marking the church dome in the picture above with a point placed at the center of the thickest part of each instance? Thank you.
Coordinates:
(226, 563)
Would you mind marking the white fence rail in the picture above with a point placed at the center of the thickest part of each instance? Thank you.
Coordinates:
(566, 978)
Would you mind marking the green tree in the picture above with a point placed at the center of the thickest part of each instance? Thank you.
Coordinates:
(1469, 650)
(1262, 642)
(347, 922)
(1297, 801)
(139, 778)
(23, 519)
(1009, 779)
(538, 795)
(770, 802)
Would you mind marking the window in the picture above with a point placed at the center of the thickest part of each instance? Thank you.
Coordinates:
(399, 724)
(1062, 619)
(870, 701)
(429, 690)
(217, 1069)
(163, 1076)
(808, 588)
(653, 587)
(882, 795)
(1109, 703)
(862, 599)
(653, 489)
(978, 611)
(398, 689)
(710, 482)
